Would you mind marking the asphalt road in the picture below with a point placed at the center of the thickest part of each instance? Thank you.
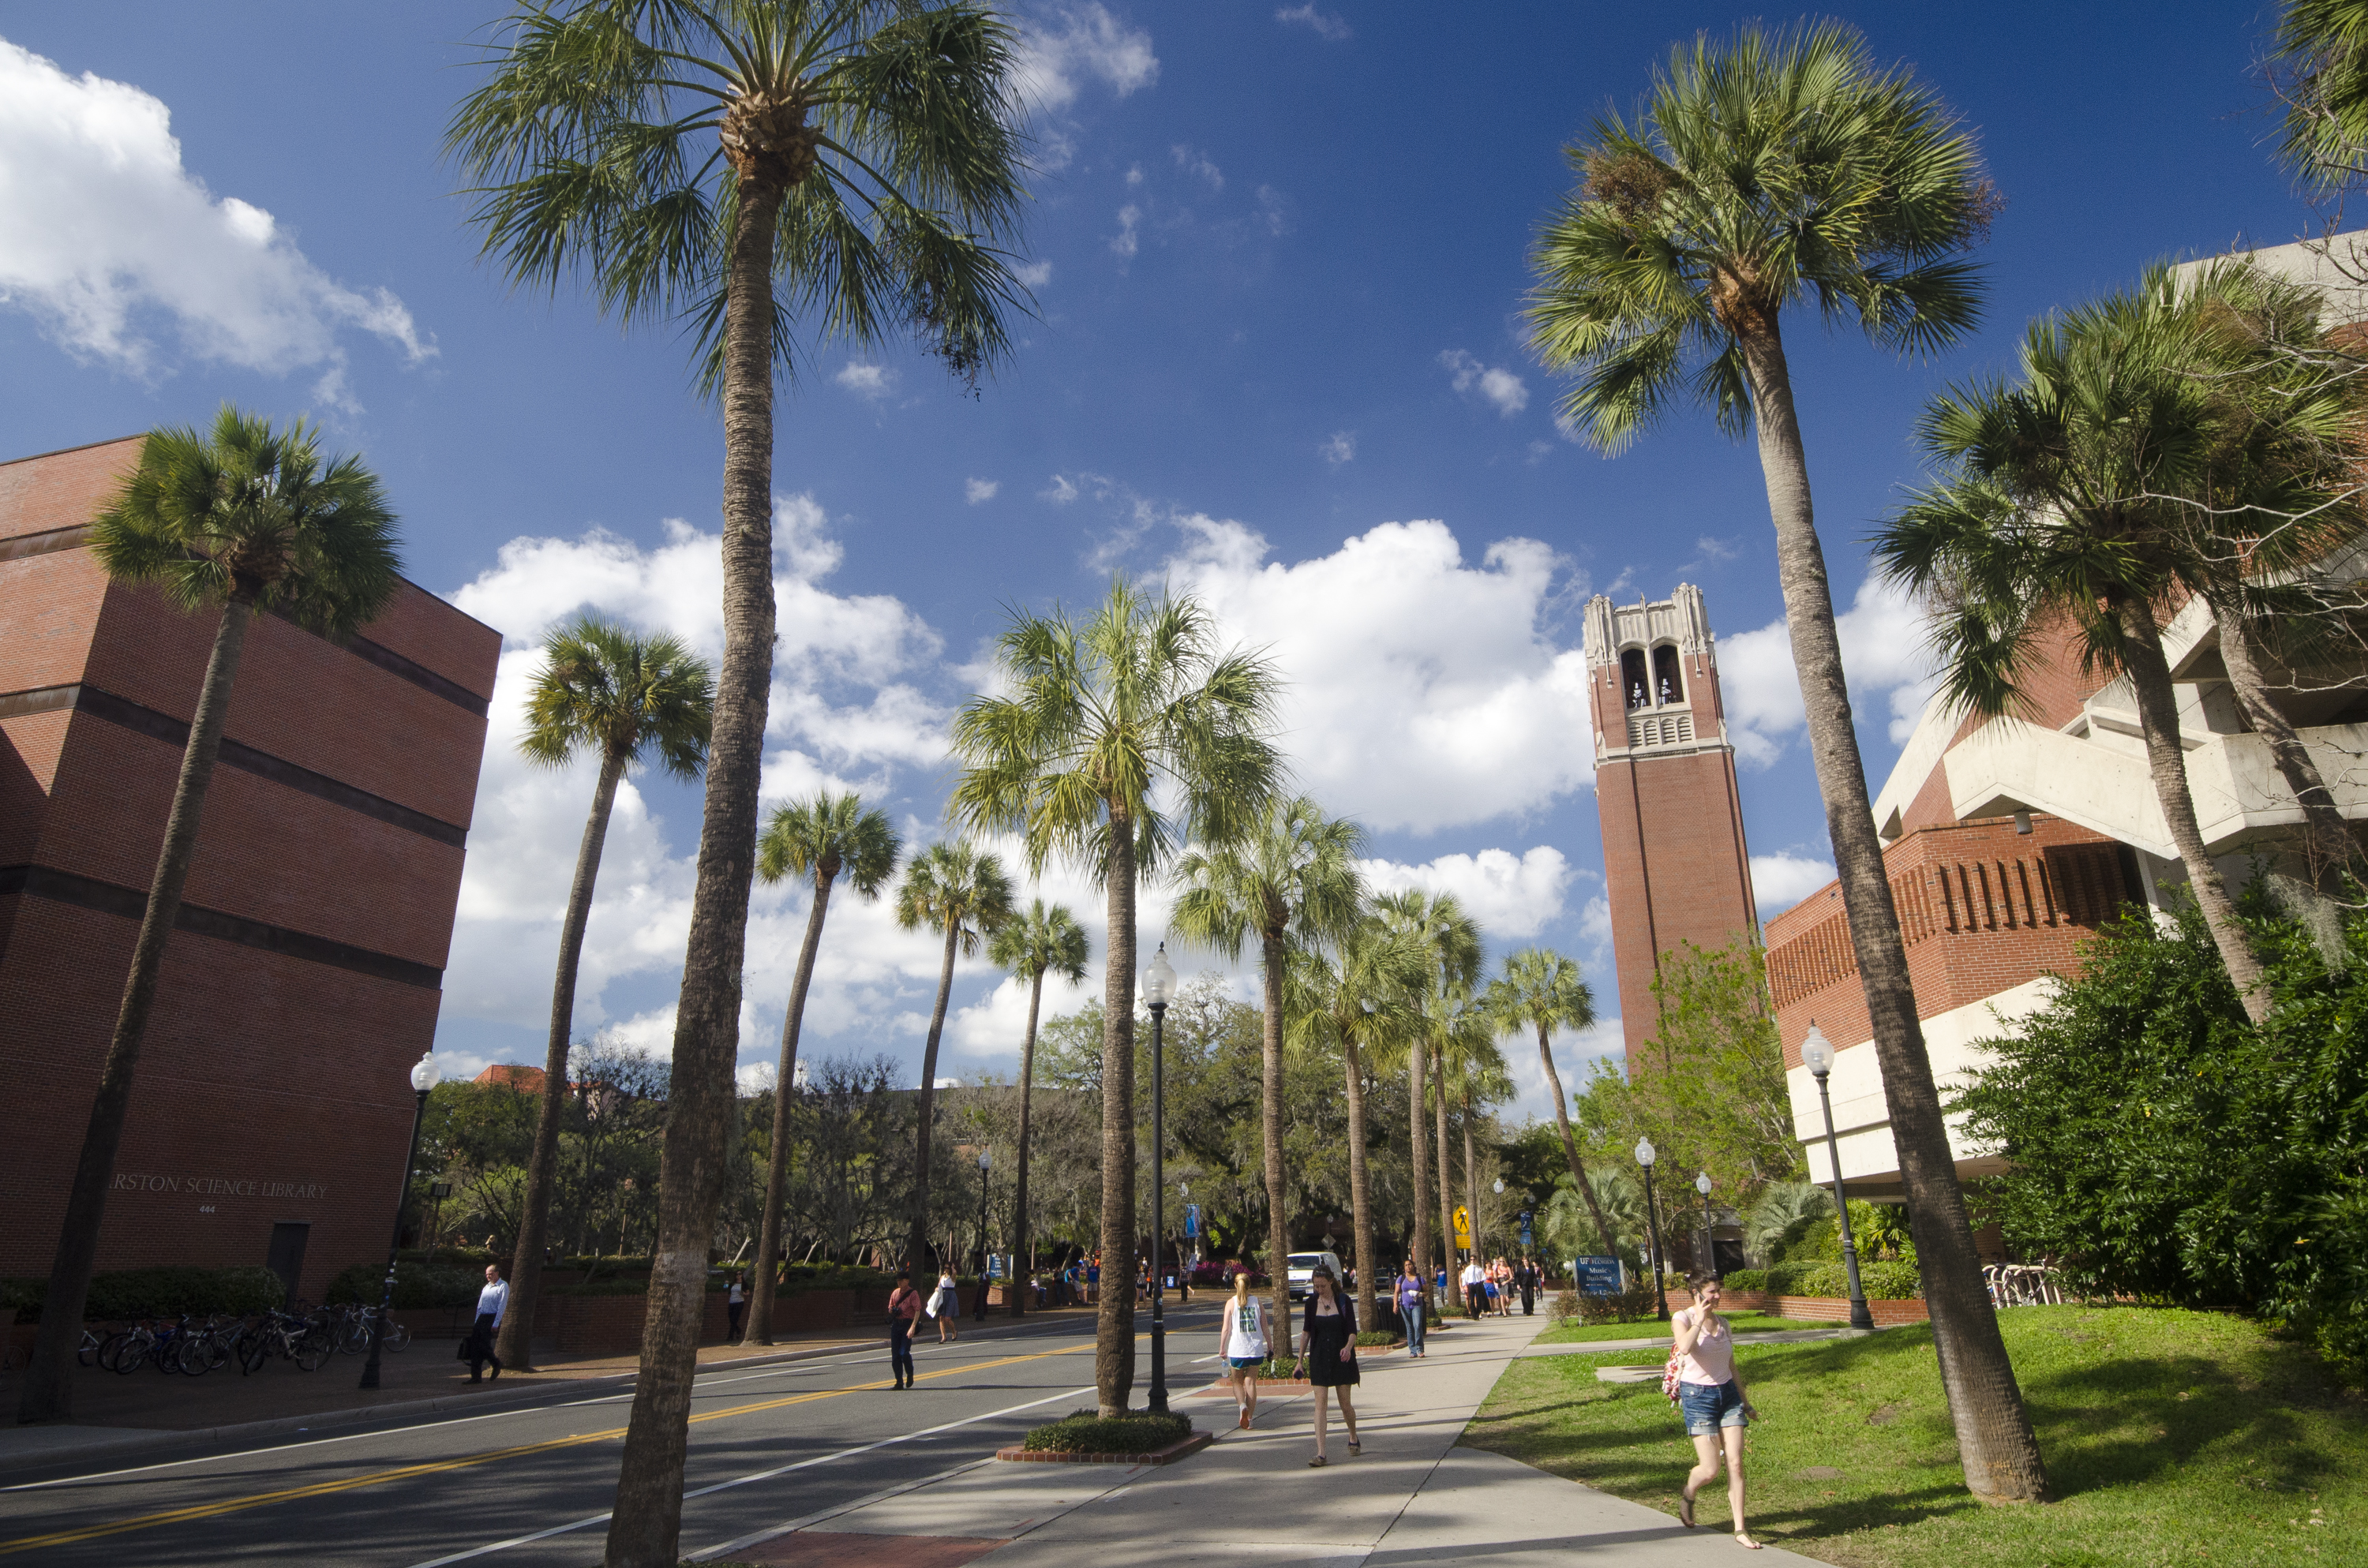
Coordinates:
(526, 1487)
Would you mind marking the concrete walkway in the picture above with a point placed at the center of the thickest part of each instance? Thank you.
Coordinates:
(1412, 1497)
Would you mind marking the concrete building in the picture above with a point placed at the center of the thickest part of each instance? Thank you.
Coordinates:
(271, 1108)
(1675, 866)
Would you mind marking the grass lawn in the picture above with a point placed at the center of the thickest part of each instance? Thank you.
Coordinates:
(2170, 1436)
(1744, 1322)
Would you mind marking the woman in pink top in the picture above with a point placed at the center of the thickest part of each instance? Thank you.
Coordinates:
(1712, 1396)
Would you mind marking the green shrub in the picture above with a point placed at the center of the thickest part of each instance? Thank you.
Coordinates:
(1378, 1338)
(418, 1287)
(163, 1292)
(1747, 1279)
(1083, 1432)
(1635, 1304)
(1882, 1280)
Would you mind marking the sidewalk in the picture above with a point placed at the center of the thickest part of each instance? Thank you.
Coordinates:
(1413, 1497)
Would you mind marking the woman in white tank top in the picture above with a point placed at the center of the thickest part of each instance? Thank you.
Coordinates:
(1245, 1342)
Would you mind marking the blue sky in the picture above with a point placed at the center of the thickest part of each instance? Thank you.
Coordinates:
(1282, 256)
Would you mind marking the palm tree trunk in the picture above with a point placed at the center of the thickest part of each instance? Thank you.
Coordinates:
(700, 1103)
(1471, 1176)
(1021, 1260)
(1361, 1211)
(1278, 1217)
(760, 1330)
(1114, 1317)
(516, 1349)
(49, 1375)
(1570, 1144)
(1446, 1191)
(2157, 702)
(916, 1246)
(1993, 1438)
(2327, 845)
(1418, 1249)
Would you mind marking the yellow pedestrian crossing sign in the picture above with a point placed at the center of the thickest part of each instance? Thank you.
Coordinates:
(1464, 1227)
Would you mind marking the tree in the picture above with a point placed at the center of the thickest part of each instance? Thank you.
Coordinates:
(1544, 991)
(864, 174)
(626, 698)
(823, 836)
(1451, 937)
(1294, 878)
(1105, 723)
(1760, 173)
(1365, 993)
(1046, 940)
(960, 889)
(2320, 75)
(245, 521)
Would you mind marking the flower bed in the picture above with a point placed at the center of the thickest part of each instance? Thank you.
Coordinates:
(1140, 1437)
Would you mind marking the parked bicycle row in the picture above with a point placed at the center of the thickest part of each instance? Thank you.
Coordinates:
(2022, 1285)
(194, 1346)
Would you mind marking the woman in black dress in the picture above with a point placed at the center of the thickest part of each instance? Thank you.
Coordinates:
(1328, 1349)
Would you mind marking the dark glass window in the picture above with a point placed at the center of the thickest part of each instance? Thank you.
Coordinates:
(1668, 685)
(1632, 679)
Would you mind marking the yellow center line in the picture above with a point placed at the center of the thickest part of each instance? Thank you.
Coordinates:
(405, 1472)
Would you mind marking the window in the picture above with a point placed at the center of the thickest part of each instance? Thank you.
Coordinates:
(1668, 683)
(1632, 679)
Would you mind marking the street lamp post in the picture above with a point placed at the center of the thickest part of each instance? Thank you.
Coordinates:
(1817, 1054)
(440, 1190)
(985, 1160)
(1158, 988)
(1645, 1158)
(1706, 1255)
(424, 1074)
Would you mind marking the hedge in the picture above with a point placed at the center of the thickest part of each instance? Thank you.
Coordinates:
(1083, 1432)
(416, 1285)
(1882, 1280)
(159, 1293)
(1746, 1279)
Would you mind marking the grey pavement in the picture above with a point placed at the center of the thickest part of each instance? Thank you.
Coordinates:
(1412, 1496)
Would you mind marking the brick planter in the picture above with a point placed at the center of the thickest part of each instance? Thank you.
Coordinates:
(1168, 1454)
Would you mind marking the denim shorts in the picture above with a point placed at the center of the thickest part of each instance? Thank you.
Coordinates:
(1708, 1406)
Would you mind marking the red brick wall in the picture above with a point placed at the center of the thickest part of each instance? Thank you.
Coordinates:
(1811, 1309)
(60, 490)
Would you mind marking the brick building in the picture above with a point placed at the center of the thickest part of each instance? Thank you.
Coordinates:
(271, 1108)
(1675, 866)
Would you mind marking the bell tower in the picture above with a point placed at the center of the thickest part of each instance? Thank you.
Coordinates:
(1675, 867)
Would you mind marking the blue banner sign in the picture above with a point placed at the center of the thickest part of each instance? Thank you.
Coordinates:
(995, 1266)
(1597, 1276)
(1192, 1219)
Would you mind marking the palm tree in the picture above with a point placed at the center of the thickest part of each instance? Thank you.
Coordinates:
(2320, 74)
(863, 174)
(2070, 503)
(1544, 991)
(823, 836)
(248, 519)
(1046, 940)
(960, 889)
(1758, 173)
(1453, 939)
(1364, 993)
(1106, 722)
(1293, 879)
(629, 698)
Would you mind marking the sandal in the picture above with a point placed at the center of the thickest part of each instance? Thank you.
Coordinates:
(1245, 1423)
(1355, 1447)
(1686, 1511)
(1747, 1542)
(1318, 1462)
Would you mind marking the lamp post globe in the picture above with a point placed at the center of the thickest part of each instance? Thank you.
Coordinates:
(425, 1073)
(1158, 990)
(1817, 1054)
(1646, 1155)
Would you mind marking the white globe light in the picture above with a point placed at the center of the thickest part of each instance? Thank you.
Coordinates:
(424, 1074)
(1645, 1153)
(1159, 980)
(1817, 1052)
(1702, 1183)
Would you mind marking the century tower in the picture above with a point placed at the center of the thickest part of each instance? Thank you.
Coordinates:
(1675, 868)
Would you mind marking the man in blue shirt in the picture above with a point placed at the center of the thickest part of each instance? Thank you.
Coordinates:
(491, 1302)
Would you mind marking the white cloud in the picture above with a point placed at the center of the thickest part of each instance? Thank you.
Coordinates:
(1423, 691)
(1508, 895)
(1126, 242)
(868, 381)
(1340, 448)
(980, 491)
(1334, 29)
(1272, 215)
(1781, 881)
(1885, 651)
(1035, 274)
(1062, 490)
(1134, 175)
(1062, 46)
(104, 237)
(1502, 389)
(1198, 165)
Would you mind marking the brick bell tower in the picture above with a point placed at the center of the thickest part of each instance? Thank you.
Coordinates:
(1675, 867)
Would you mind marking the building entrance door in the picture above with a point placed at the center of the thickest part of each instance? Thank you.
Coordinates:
(287, 1257)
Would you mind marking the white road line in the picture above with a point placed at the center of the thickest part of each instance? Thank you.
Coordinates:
(770, 1474)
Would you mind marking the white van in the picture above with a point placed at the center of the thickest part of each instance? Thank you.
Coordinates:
(1301, 1269)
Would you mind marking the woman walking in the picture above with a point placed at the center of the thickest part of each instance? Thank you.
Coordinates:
(1712, 1396)
(945, 1306)
(1245, 1342)
(1328, 1349)
(903, 1306)
(1409, 1294)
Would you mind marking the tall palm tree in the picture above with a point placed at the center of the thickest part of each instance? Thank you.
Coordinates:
(1452, 938)
(1046, 940)
(823, 836)
(1758, 173)
(1105, 723)
(628, 699)
(243, 520)
(2070, 501)
(1543, 990)
(1293, 879)
(960, 889)
(862, 179)
(1363, 993)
